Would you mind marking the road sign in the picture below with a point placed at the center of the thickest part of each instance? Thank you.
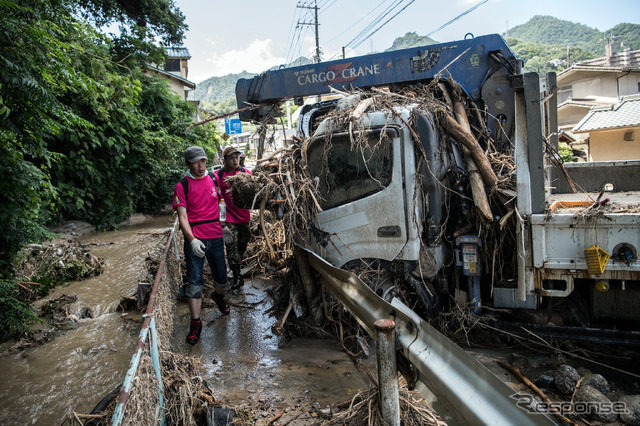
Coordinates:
(232, 126)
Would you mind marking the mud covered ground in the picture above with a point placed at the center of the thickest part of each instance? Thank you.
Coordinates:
(261, 376)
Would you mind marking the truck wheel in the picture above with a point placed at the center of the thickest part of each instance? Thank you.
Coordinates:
(426, 293)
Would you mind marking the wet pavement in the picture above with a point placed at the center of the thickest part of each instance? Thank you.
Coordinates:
(245, 361)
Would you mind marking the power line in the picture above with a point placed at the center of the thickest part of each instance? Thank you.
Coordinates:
(352, 26)
(293, 43)
(457, 17)
(298, 46)
(290, 37)
(385, 23)
(378, 18)
(314, 23)
(325, 7)
(358, 21)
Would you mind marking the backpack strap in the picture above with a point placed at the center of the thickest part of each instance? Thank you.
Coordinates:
(185, 186)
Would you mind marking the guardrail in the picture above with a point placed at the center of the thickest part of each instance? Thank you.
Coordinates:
(149, 324)
(467, 390)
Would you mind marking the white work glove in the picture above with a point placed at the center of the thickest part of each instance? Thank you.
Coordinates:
(227, 236)
(197, 247)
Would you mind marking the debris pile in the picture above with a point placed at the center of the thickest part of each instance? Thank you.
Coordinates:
(283, 199)
(56, 263)
(282, 184)
(364, 409)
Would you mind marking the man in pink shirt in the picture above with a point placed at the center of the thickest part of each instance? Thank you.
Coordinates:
(196, 199)
(236, 230)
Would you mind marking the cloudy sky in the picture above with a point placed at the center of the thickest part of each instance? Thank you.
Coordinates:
(254, 35)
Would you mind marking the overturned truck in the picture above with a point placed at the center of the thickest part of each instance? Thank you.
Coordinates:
(435, 167)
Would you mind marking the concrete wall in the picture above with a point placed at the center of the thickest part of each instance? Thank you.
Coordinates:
(594, 175)
(602, 86)
(177, 87)
(609, 145)
(629, 84)
(569, 116)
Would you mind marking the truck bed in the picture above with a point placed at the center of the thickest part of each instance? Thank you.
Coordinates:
(611, 202)
(572, 225)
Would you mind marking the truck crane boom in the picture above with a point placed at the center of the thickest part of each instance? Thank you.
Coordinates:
(471, 63)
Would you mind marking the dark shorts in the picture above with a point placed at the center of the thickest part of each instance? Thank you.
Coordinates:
(214, 253)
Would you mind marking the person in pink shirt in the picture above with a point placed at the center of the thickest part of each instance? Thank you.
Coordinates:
(196, 199)
(236, 230)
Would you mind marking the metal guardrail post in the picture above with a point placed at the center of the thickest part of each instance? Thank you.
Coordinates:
(175, 245)
(155, 359)
(387, 371)
(149, 322)
(118, 412)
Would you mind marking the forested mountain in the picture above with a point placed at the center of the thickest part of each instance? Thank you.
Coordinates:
(410, 39)
(219, 88)
(540, 57)
(550, 30)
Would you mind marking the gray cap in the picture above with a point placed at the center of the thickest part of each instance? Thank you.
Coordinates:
(193, 154)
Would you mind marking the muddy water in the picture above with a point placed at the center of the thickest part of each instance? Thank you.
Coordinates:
(243, 359)
(41, 385)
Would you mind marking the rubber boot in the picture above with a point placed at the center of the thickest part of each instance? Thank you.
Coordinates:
(237, 281)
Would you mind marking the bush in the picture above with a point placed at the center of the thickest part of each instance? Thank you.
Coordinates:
(565, 151)
(16, 316)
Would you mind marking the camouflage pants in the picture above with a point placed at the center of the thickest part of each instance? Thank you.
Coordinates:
(241, 236)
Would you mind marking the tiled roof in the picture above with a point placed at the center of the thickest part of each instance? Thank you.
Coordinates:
(177, 52)
(625, 114)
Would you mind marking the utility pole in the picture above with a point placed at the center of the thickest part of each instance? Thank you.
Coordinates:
(316, 58)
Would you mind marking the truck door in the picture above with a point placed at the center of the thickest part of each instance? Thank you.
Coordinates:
(360, 180)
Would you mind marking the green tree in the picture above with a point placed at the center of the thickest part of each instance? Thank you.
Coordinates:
(625, 36)
(566, 154)
(83, 133)
(34, 72)
(539, 57)
(157, 17)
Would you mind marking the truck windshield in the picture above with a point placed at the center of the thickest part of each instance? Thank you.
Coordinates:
(348, 172)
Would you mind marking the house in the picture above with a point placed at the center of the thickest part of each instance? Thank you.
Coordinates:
(174, 71)
(596, 83)
(614, 131)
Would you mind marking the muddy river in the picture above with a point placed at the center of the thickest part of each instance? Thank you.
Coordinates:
(242, 359)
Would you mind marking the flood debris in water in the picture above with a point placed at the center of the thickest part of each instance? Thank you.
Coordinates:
(51, 264)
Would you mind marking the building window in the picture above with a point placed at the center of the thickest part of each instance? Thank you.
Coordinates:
(172, 65)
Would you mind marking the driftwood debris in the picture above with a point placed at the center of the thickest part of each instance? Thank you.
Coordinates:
(466, 138)
(516, 371)
(477, 185)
